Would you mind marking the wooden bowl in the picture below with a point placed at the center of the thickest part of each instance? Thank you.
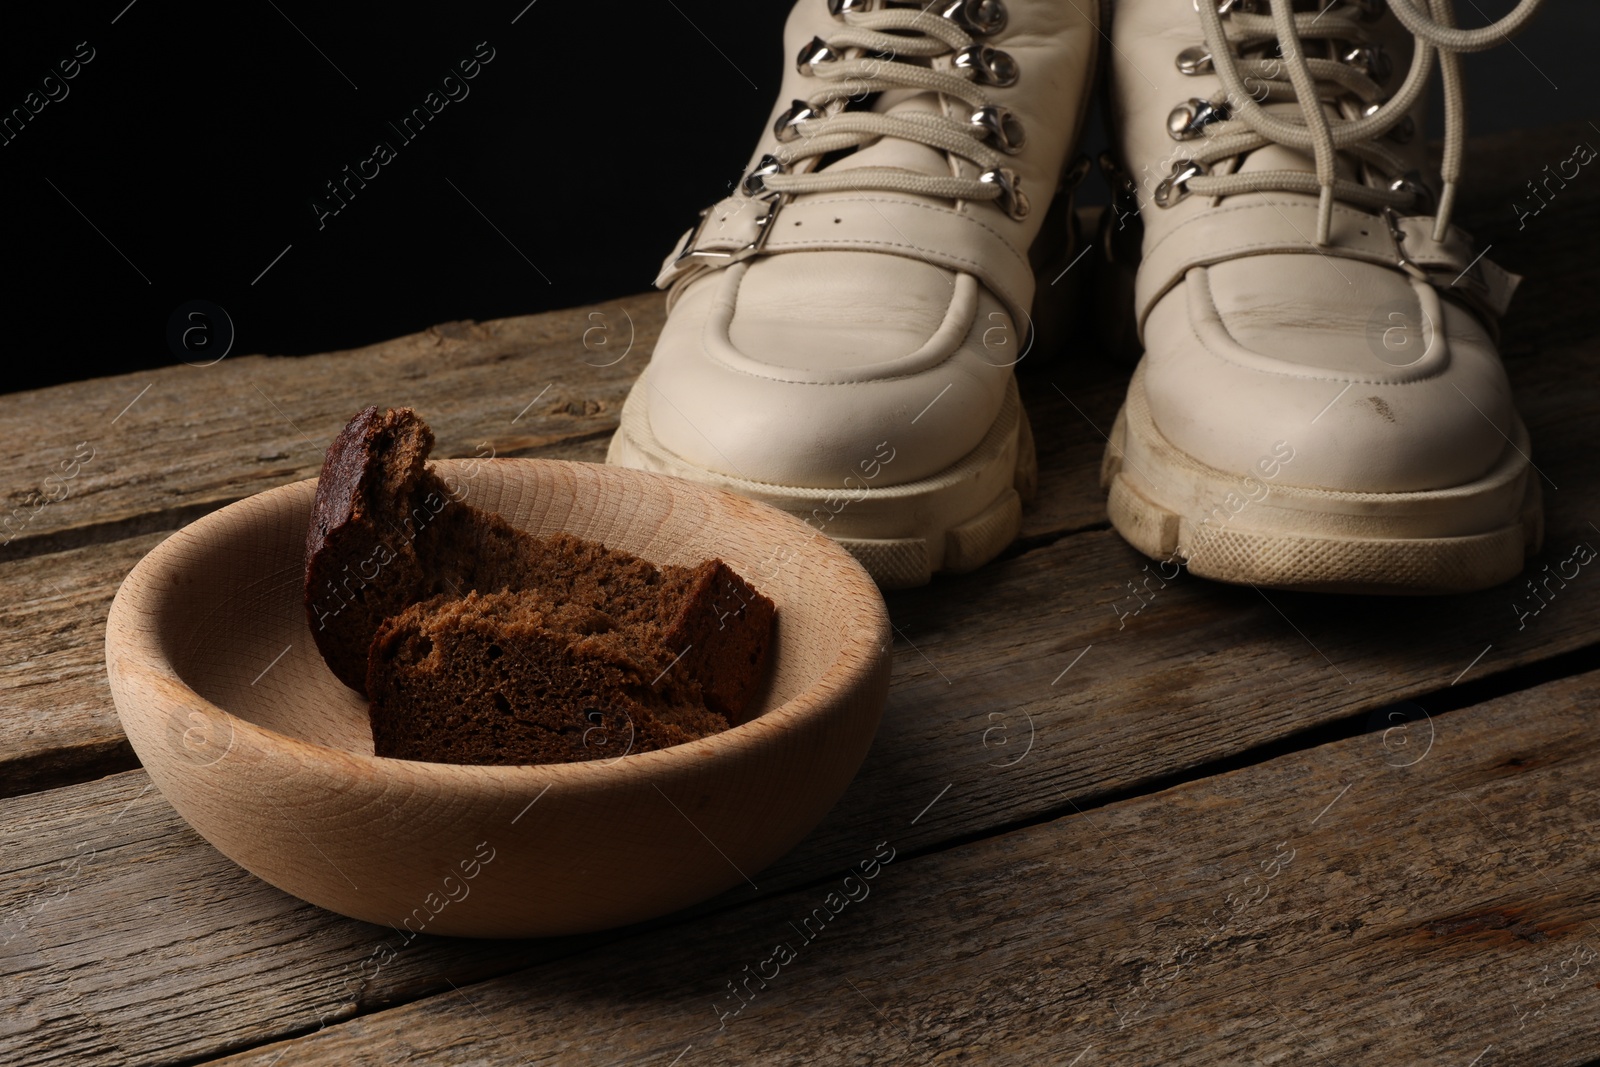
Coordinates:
(249, 735)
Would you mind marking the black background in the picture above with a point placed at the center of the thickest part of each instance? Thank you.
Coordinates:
(197, 138)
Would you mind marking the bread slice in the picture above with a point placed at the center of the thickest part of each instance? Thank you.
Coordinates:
(510, 678)
(375, 497)
(389, 542)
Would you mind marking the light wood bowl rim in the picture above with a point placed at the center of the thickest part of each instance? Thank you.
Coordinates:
(133, 654)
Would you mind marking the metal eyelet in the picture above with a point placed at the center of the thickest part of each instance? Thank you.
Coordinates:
(1411, 182)
(981, 18)
(1401, 132)
(1371, 60)
(1247, 7)
(1011, 198)
(1175, 186)
(1194, 60)
(787, 126)
(817, 51)
(1001, 127)
(755, 183)
(989, 66)
(1189, 120)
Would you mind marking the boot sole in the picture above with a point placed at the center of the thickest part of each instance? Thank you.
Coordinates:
(1223, 526)
(950, 522)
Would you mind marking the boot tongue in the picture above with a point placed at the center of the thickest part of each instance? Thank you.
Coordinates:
(893, 303)
(892, 151)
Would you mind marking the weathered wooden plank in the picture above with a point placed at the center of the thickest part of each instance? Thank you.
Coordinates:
(96, 460)
(998, 715)
(1353, 903)
(115, 894)
(56, 718)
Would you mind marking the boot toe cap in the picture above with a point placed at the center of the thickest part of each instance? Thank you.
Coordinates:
(1376, 384)
(769, 380)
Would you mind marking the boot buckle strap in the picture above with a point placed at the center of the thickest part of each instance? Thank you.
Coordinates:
(727, 232)
(1449, 265)
(1404, 242)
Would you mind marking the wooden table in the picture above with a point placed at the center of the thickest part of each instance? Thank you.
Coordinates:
(1235, 828)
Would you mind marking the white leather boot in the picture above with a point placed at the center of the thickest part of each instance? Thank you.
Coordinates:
(1321, 404)
(842, 329)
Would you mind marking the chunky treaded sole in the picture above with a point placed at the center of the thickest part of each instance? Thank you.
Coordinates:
(953, 521)
(1244, 527)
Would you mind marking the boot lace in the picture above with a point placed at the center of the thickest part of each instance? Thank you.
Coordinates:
(1348, 71)
(877, 51)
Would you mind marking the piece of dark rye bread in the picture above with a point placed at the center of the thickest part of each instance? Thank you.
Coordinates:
(387, 532)
(362, 559)
(511, 678)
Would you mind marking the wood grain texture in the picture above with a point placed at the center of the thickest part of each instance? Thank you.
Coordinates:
(1341, 905)
(118, 948)
(56, 719)
(200, 437)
